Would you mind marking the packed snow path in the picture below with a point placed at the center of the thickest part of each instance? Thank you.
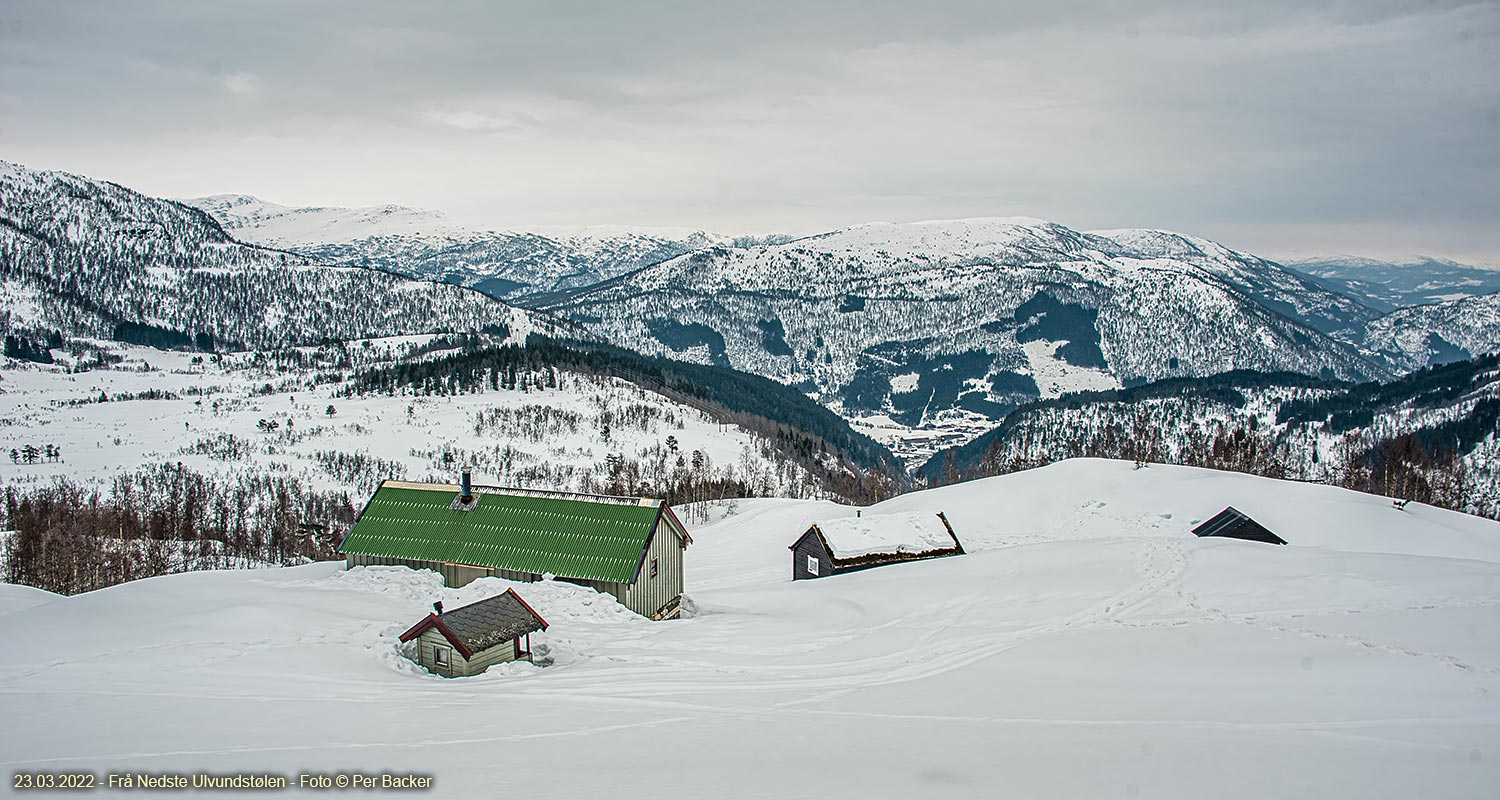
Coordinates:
(1088, 646)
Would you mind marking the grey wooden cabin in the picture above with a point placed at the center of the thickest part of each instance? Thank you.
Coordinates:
(471, 639)
(834, 547)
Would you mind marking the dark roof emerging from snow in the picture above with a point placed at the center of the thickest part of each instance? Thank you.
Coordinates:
(573, 535)
(479, 626)
(886, 534)
(1232, 523)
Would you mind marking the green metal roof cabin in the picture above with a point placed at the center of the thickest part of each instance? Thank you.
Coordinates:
(625, 546)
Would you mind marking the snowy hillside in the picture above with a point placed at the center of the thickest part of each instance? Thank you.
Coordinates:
(1447, 331)
(426, 244)
(1087, 646)
(1431, 436)
(91, 258)
(206, 414)
(936, 325)
(166, 462)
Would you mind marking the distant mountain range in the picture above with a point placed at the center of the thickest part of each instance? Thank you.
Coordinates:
(426, 244)
(86, 263)
(935, 324)
(1388, 285)
(924, 334)
(1411, 338)
(88, 258)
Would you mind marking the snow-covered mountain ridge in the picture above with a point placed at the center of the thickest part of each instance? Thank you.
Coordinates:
(1011, 308)
(1447, 331)
(1389, 285)
(922, 333)
(91, 258)
(934, 325)
(427, 244)
(252, 219)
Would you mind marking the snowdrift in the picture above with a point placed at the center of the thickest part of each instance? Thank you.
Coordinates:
(1088, 646)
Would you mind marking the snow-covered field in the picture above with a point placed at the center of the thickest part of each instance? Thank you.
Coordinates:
(1056, 377)
(209, 420)
(1087, 647)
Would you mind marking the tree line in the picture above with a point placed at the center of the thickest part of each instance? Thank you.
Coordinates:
(31, 454)
(1425, 464)
(69, 538)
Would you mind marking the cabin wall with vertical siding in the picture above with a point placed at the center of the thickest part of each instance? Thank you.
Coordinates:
(512, 575)
(454, 575)
(648, 595)
(499, 654)
(810, 546)
(612, 588)
(457, 665)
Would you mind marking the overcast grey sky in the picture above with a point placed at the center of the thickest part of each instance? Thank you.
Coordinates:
(1298, 127)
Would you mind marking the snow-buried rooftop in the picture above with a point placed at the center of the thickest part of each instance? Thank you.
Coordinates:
(872, 534)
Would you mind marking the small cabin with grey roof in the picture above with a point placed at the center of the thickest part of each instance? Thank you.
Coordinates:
(469, 640)
(628, 547)
(847, 544)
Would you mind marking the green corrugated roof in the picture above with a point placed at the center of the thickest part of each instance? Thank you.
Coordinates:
(574, 538)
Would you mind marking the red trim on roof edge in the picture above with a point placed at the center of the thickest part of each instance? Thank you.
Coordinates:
(687, 537)
(452, 637)
(433, 620)
(512, 593)
(416, 630)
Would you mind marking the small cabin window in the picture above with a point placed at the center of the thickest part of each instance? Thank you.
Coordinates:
(653, 568)
(440, 655)
(812, 565)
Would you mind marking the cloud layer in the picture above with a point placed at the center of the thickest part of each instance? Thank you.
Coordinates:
(1282, 127)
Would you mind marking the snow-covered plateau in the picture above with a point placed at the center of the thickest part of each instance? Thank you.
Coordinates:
(1087, 646)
